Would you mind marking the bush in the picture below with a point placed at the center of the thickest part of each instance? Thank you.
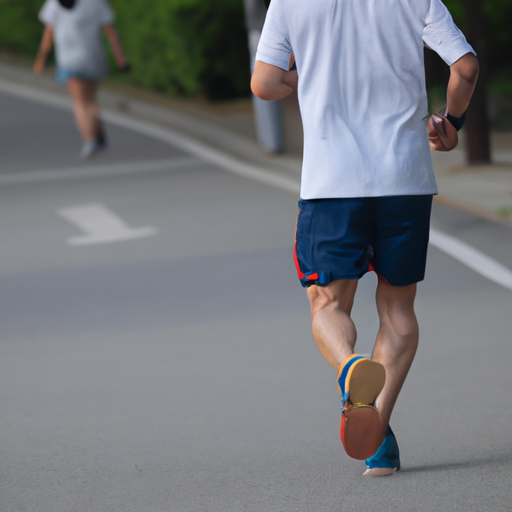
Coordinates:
(20, 30)
(181, 47)
(186, 47)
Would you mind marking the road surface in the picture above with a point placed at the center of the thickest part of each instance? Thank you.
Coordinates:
(155, 348)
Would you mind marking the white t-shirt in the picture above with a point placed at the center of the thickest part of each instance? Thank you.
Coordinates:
(362, 89)
(78, 35)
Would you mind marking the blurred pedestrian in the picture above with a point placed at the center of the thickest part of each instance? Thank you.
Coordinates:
(76, 27)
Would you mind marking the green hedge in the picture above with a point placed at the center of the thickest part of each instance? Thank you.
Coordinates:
(193, 47)
(186, 47)
(181, 47)
(20, 31)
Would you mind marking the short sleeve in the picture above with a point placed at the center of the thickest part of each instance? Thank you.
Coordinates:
(274, 47)
(48, 13)
(442, 35)
(105, 13)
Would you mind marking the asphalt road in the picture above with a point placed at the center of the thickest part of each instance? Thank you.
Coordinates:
(156, 355)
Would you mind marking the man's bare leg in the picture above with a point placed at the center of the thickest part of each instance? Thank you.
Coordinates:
(361, 429)
(333, 329)
(396, 342)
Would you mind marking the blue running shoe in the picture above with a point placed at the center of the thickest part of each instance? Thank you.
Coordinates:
(386, 460)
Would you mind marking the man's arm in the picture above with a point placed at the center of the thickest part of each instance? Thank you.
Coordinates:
(272, 83)
(463, 77)
(442, 134)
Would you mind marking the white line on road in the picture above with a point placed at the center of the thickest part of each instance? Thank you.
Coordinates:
(194, 147)
(101, 225)
(472, 258)
(36, 94)
(206, 153)
(92, 171)
(462, 252)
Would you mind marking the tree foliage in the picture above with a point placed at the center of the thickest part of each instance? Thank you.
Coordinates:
(20, 31)
(192, 47)
(186, 46)
(497, 34)
(183, 47)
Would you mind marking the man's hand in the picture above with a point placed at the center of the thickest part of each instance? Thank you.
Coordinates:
(442, 135)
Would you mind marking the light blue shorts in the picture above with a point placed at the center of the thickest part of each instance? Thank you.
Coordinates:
(62, 75)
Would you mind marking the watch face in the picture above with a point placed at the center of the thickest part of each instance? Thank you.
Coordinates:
(68, 4)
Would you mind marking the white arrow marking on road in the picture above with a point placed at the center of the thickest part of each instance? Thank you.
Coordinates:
(472, 258)
(101, 225)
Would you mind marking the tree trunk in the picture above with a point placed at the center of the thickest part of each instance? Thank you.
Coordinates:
(478, 146)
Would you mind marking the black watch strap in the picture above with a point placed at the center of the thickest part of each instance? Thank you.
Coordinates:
(457, 122)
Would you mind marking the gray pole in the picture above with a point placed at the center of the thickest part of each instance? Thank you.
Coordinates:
(268, 117)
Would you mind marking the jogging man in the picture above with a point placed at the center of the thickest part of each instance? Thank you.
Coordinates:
(367, 180)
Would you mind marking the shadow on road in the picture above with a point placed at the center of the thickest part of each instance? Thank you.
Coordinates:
(469, 462)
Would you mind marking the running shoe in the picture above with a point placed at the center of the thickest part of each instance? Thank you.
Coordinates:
(360, 381)
(90, 148)
(386, 460)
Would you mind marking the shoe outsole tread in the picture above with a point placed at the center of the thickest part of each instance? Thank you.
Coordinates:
(360, 381)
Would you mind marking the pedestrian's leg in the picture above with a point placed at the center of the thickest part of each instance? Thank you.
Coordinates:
(396, 342)
(86, 108)
(93, 107)
(333, 329)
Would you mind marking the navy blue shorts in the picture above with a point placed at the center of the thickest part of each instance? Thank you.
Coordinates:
(345, 238)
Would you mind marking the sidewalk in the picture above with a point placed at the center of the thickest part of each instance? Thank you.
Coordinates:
(482, 190)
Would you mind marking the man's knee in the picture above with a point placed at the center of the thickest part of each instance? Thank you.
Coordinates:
(337, 295)
(398, 296)
(395, 305)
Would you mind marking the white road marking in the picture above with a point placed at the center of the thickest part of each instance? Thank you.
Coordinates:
(462, 252)
(36, 94)
(206, 153)
(472, 258)
(101, 225)
(194, 147)
(71, 173)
